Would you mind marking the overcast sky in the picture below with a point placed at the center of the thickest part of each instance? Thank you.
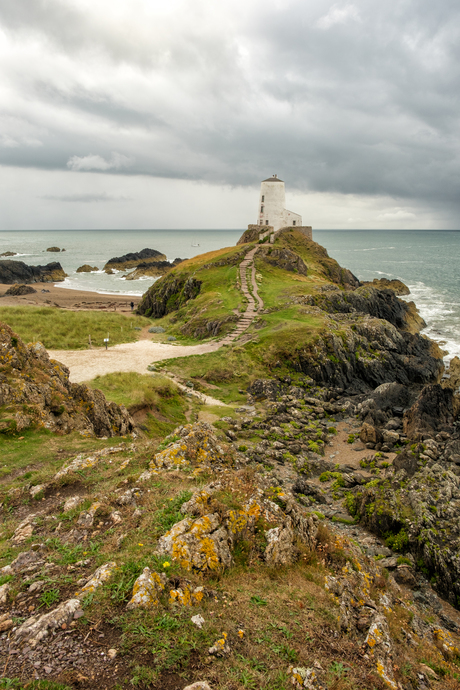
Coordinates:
(168, 113)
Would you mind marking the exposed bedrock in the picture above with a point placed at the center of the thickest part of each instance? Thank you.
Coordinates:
(383, 304)
(168, 295)
(365, 353)
(18, 272)
(36, 392)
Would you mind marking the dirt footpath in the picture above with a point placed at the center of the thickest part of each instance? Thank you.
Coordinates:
(85, 365)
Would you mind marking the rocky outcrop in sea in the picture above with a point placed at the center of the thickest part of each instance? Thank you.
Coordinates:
(133, 259)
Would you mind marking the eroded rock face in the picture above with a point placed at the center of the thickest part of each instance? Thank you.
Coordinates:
(30, 381)
(153, 268)
(168, 295)
(432, 412)
(35, 629)
(19, 272)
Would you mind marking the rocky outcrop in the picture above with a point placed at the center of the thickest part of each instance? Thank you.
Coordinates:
(153, 269)
(17, 290)
(285, 259)
(9, 254)
(382, 304)
(133, 259)
(36, 392)
(55, 249)
(251, 234)
(397, 286)
(86, 268)
(19, 272)
(434, 411)
(168, 295)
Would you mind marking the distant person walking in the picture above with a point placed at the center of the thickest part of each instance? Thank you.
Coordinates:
(132, 306)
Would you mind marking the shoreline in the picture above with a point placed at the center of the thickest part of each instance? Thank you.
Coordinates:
(51, 295)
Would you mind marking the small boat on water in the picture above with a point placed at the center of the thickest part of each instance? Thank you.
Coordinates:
(195, 244)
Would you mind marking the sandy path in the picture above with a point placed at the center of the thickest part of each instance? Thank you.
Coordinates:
(85, 365)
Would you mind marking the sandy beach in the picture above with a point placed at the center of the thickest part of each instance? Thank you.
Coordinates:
(50, 294)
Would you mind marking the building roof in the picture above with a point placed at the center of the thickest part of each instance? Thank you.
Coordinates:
(272, 179)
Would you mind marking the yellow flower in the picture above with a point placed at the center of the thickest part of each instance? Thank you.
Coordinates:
(166, 564)
(140, 544)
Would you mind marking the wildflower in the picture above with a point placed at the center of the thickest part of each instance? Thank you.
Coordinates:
(166, 564)
(140, 544)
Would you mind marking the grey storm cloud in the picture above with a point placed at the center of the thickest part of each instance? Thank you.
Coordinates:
(86, 198)
(350, 97)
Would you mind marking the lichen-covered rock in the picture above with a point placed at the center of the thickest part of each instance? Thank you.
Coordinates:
(201, 544)
(82, 462)
(281, 549)
(185, 596)
(86, 518)
(199, 503)
(24, 530)
(24, 561)
(379, 644)
(35, 391)
(146, 590)
(36, 628)
(220, 647)
(4, 589)
(101, 575)
(197, 445)
(304, 678)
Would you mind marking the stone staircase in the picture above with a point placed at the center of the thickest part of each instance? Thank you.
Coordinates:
(252, 309)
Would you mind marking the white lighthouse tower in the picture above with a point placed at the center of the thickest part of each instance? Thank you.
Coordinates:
(272, 201)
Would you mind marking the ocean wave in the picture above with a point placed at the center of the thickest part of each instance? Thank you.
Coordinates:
(67, 285)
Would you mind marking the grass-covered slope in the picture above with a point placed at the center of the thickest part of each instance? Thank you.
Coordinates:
(316, 322)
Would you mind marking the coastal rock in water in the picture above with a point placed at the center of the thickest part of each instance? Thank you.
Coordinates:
(86, 268)
(9, 254)
(397, 286)
(16, 290)
(54, 249)
(153, 269)
(36, 392)
(18, 272)
(133, 259)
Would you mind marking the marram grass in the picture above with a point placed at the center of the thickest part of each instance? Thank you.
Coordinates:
(59, 329)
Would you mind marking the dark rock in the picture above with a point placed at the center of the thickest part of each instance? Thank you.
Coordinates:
(404, 575)
(54, 249)
(16, 290)
(168, 294)
(86, 268)
(153, 268)
(9, 254)
(18, 272)
(264, 389)
(134, 259)
(432, 412)
(303, 486)
(407, 460)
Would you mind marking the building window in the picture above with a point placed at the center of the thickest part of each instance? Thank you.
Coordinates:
(263, 198)
(266, 222)
(293, 222)
(261, 209)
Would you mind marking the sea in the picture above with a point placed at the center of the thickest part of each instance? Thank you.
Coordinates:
(427, 261)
